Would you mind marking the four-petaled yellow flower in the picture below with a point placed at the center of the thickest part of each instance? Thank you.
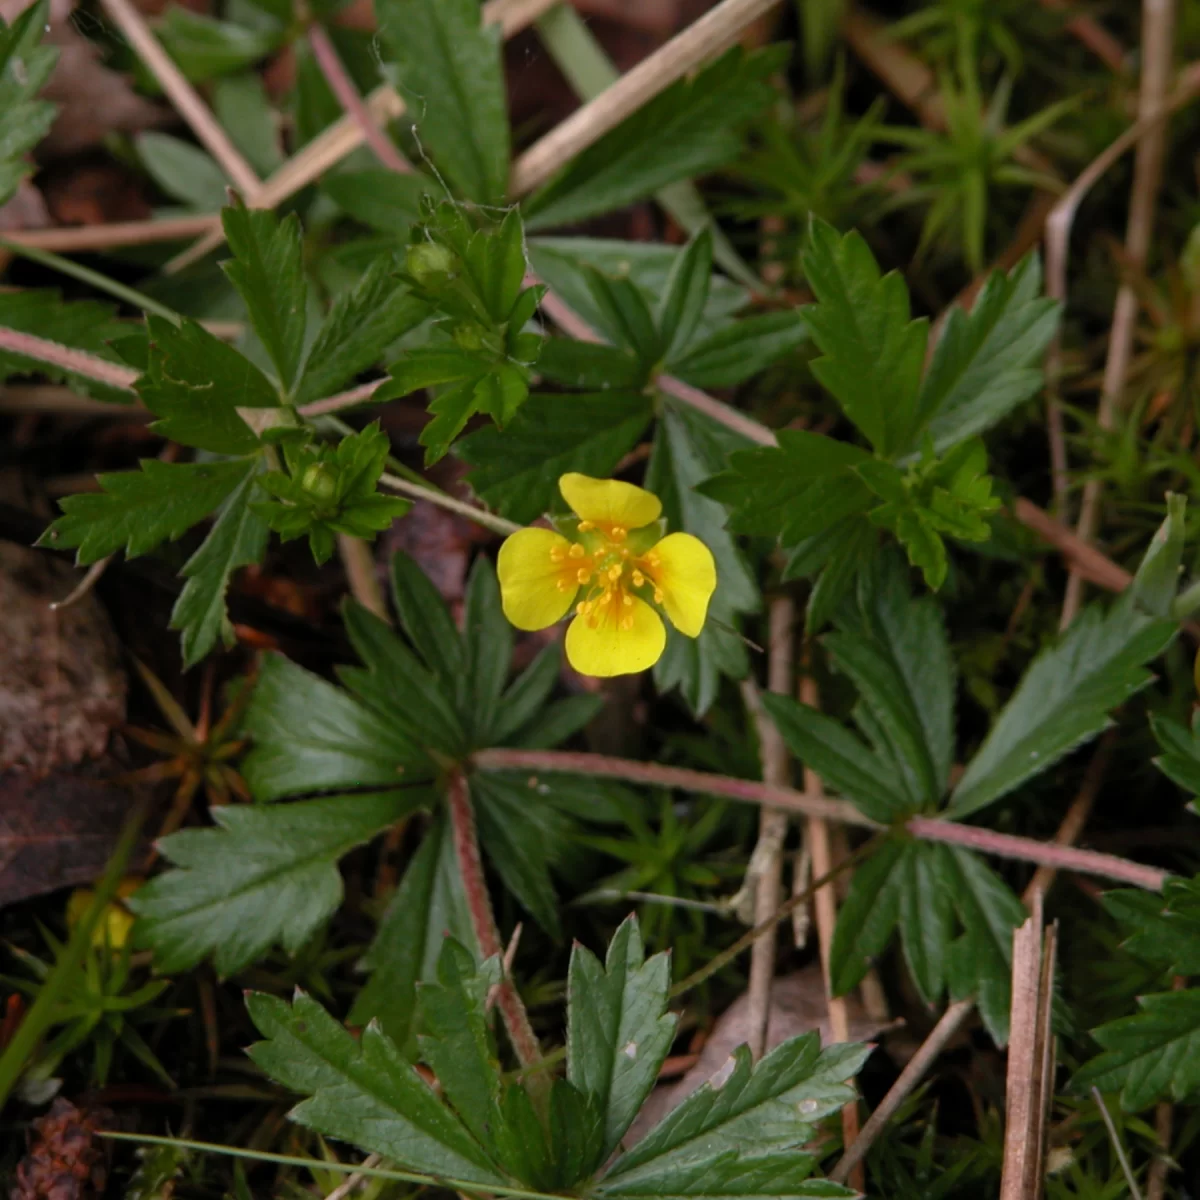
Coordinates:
(613, 565)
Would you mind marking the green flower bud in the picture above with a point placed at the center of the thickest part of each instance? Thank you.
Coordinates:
(468, 336)
(427, 261)
(319, 481)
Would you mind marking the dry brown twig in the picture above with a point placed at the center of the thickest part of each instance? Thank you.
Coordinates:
(765, 872)
(1158, 24)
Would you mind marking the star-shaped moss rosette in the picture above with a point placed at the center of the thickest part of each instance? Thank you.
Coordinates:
(613, 565)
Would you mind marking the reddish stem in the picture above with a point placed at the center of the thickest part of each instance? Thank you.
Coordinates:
(930, 829)
(67, 359)
(479, 905)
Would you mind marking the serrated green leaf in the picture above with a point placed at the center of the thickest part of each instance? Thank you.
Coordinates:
(618, 1029)
(245, 111)
(739, 351)
(426, 620)
(363, 1092)
(980, 961)
(872, 352)
(682, 305)
(450, 73)
(624, 310)
(517, 470)
(1180, 759)
(1063, 700)
(699, 1148)
(590, 366)
(24, 68)
(310, 736)
(737, 1174)
(1165, 928)
(266, 874)
(195, 384)
(689, 448)
(205, 48)
(527, 694)
(487, 640)
(427, 907)
(237, 539)
(926, 919)
(379, 198)
(1157, 579)
(364, 321)
(522, 840)
(137, 510)
(868, 916)
(1151, 1055)
(691, 128)
(987, 360)
(840, 758)
(268, 271)
(183, 171)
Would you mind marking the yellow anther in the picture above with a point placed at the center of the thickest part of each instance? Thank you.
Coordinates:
(627, 622)
(576, 551)
(658, 596)
(651, 559)
(583, 575)
(563, 585)
(557, 554)
(638, 578)
(627, 600)
(606, 598)
(583, 607)
(586, 526)
(614, 572)
(619, 533)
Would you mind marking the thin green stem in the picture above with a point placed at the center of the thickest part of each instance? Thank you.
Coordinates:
(42, 1014)
(420, 491)
(96, 279)
(320, 1164)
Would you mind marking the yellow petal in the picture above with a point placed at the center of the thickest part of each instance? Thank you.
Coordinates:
(606, 649)
(687, 577)
(529, 578)
(609, 501)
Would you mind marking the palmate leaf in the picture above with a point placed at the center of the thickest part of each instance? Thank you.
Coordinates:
(738, 1134)
(1165, 929)
(618, 1029)
(363, 1091)
(1151, 1055)
(1063, 699)
(137, 510)
(872, 352)
(1180, 757)
(265, 874)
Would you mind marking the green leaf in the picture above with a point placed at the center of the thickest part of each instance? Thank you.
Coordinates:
(1180, 759)
(427, 907)
(451, 76)
(364, 321)
(1165, 928)
(926, 919)
(183, 171)
(590, 366)
(690, 129)
(688, 448)
(872, 353)
(379, 198)
(268, 271)
(137, 510)
(618, 1029)
(237, 539)
(980, 961)
(792, 491)
(868, 916)
(204, 48)
(266, 874)
(845, 763)
(987, 360)
(517, 470)
(487, 640)
(739, 351)
(1157, 579)
(896, 650)
(625, 311)
(242, 106)
(1063, 700)
(1152, 1055)
(24, 68)
(682, 306)
(363, 1091)
(523, 838)
(310, 736)
(427, 620)
(700, 1149)
(195, 384)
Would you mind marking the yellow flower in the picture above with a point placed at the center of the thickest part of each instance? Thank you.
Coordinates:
(614, 567)
(112, 930)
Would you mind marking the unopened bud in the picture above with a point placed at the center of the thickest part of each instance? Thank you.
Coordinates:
(319, 481)
(427, 260)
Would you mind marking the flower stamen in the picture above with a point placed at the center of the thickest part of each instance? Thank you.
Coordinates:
(576, 551)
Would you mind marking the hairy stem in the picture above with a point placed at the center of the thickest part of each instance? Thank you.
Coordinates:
(931, 829)
(479, 905)
(55, 354)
